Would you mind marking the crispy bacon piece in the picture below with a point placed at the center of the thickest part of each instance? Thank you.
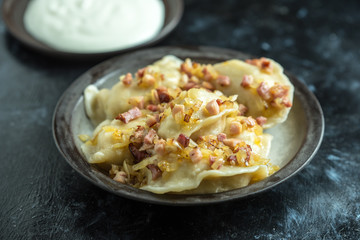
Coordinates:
(160, 147)
(183, 140)
(127, 80)
(208, 86)
(286, 102)
(140, 73)
(195, 155)
(247, 81)
(151, 121)
(138, 134)
(242, 109)
(190, 85)
(263, 91)
(248, 150)
(261, 120)
(164, 96)
(120, 176)
(262, 63)
(235, 128)
(221, 137)
(250, 122)
(130, 115)
(149, 137)
(232, 159)
(207, 74)
(137, 154)
(278, 91)
(155, 171)
(223, 81)
(212, 107)
(184, 67)
(153, 107)
(231, 142)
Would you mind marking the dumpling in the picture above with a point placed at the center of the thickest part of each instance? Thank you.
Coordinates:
(261, 85)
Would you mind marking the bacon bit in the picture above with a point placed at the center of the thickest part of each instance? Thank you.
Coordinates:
(137, 154)
(223, 81)
(212, 107)
(164, 96)
(187, 118)
(178, 108)
(208, 86)
(232, 159)
(263, 91)
(221, 137)
(151, 121)
(248, 150)
(120, 176)
(137, 101)
(190, 85)
(138, 134)
(160, 147)
(127, 80)
(262, 63)
(247, 81)
(278, 91)
(250, 122)
(261, 120)
(242, 109)
(219, 101)
(183, 140)
(286, 102)
(207, 74)
(184, 67)
(231, 142)
(153, 107)
(212, 159)
(149, 137)
(195, 155)
(155, 171)
(140, 73)
(130, 115)
(235, 128)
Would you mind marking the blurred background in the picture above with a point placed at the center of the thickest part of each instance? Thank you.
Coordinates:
(42, 197)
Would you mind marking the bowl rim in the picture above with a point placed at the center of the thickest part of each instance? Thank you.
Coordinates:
(306, 152)
(19, 32)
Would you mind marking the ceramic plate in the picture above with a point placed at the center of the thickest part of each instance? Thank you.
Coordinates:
(295, 141)
(13, 12)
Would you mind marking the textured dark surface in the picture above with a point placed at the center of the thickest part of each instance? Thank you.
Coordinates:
(41, 197)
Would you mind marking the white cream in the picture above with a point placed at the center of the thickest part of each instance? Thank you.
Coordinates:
(90, 26)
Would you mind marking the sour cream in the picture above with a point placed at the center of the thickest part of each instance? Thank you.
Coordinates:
(90, 26)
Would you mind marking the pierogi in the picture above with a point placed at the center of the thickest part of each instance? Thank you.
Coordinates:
(183, 127)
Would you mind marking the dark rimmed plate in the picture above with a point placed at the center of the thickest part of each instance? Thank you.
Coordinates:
(13, 12)
(295, 141)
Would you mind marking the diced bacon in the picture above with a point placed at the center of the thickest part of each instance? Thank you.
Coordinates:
(261, 120)
(212, 107)
(149, 137)
(221, 137)
(263, 91)
(232, 159)
(160, 147)
(250, 122)
(219, 101)
(195, 155)
(278, 91)
(190, 85)
(208, 86)
(183, 140)
(137, 154)
(231, 142)
(127, 80)
(120, 176)
(248, 150)
(235, 128)
(178, 108)
(151, 121)
(153, 107)
(262, 63)
(286, 102)
(155, 171)
(148, 80)
(242, 109)
(186, 69)
(130, 115)
(223, 81)
(140, 73)
(207, 74)
(164, 96)
(138, 134)
(247, 81)
(137, 101)
(212, 159)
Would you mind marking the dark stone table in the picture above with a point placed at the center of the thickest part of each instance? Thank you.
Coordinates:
(41, 197)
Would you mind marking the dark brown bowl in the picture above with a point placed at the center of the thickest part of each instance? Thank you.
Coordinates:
(295, 141)
(13, 13)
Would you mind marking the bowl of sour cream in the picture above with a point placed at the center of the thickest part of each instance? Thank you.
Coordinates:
(90, 28)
